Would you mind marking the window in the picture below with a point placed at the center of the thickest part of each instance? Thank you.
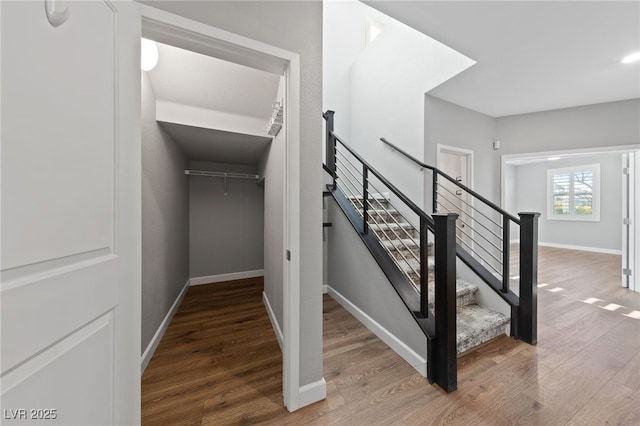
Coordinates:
(372, 30)
(574, 193)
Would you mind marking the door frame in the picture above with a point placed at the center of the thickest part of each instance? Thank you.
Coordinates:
(468, 155)
(165, 27)
(635, 260)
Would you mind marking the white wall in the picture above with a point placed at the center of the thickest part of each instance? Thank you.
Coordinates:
(165, 219)
(297, 27)
(225, 231)
(343, 39)
(378, 90)
(388, 83)
(605, 234)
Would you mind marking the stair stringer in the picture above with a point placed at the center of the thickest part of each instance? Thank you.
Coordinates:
(357, 282)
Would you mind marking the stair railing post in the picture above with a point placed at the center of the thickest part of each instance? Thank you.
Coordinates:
(528, 309)
(434, 189)
(506, 251)
(365, 198)
(424, 268)
(330, 144)
(444, 345)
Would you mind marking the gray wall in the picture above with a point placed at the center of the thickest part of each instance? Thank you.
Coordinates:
(605, 234)
(356, 275)
(165, 219)
(600, 125)
(607, 124)
(297, 27)
(450, 124)
(272, 170)
(226, 232)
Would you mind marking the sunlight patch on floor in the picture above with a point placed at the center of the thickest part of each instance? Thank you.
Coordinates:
(612, 307)
(633, 314)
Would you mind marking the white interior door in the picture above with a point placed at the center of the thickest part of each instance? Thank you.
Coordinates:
(456, 163)
(70, 213)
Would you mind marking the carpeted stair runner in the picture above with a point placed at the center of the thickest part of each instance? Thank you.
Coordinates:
(476, 324)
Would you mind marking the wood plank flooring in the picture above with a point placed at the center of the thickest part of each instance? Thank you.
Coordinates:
(219, 362)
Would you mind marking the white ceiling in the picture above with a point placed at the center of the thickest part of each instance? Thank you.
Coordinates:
(531, 55)
(216, 145)
(188, 78)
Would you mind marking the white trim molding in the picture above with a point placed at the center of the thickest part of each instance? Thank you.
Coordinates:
(155, 341)
(312, 392)
(210, 279)
(418, 362)
(581, 248)
(274, 322)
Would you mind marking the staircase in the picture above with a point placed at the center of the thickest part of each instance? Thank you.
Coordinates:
(475, 324)
(419, 251)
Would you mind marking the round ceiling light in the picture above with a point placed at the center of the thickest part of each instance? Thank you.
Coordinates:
(148, 54)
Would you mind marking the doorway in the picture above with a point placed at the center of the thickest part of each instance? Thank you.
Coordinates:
(190, 35)
(457, 163)
(612, 232)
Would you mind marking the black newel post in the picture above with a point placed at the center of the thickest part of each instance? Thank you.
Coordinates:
(330, 143)
(528, 309)
(445, 369)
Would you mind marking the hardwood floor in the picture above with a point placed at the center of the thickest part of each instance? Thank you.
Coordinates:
(220, 364)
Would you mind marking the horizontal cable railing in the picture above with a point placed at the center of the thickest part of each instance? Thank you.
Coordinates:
(483, 228)
(483, 235)
(385, 217)
(388, 223)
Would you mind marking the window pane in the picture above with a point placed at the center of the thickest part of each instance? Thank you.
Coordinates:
(561, 187)
(583, 192)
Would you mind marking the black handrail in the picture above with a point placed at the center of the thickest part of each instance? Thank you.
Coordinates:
(452, 180)
(523, 306)
(441, 326)
(524, 322)
(417, 210)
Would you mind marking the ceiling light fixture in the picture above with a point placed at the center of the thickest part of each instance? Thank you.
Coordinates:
(553, 158)
(148, 54)
(634, 57)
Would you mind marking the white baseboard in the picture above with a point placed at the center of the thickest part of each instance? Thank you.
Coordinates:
(274, 321)
(155, 341)
(325, 289)
(418, 362)
(312, 392)
(226, 277)
(581, 248)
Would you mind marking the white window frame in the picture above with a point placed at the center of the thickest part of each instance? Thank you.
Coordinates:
(595, 216)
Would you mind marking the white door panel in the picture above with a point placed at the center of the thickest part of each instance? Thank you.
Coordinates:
(62, 128)
(70, 256)
(88, 393)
